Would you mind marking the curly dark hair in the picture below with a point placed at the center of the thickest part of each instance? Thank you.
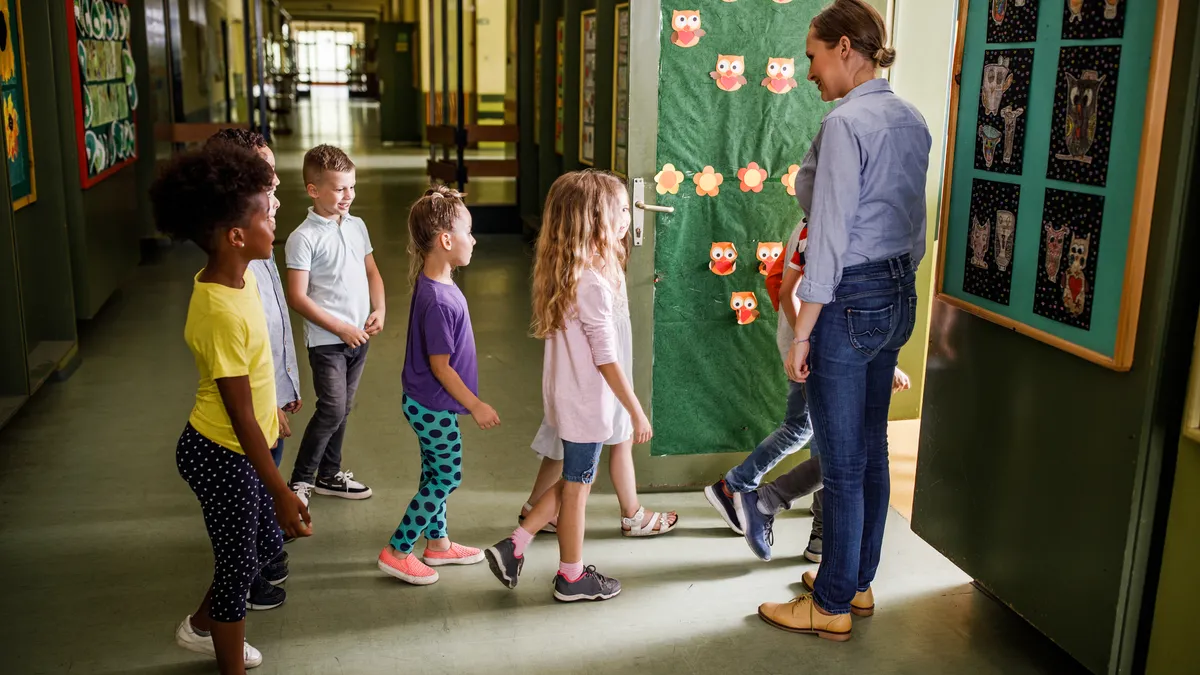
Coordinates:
(243, 138)
(204, 192)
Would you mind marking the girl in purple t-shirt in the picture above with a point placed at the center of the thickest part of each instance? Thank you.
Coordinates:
(441, 382)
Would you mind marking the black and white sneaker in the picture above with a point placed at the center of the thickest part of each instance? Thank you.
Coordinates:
(591, 586)
(342, 485)
(276, 571)
(722, 500)
(505, 563)
(263, 595)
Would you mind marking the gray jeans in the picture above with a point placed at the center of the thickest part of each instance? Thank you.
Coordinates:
(337, 370)
(804, 479)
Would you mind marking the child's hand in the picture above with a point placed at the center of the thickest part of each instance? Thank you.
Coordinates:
(642, 432)
(285, 429)
(355, 337)
(292, 515)
(293, 407)
(485, 416)
(900, 381)
(375, 322)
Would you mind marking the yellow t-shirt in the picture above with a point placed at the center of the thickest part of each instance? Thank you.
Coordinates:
(227, 332)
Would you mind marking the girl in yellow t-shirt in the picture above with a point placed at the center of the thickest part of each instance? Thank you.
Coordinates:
(222, 199)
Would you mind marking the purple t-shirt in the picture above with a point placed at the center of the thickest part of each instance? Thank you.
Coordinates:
(438, 323)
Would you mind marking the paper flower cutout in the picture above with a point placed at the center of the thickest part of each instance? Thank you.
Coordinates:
(789, 179)
(708, 182)
(722, 258)
(744, 305)
(752, 177)
(668, 180)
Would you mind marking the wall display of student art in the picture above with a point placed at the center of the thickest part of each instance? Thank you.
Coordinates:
(1003, 98)
(106, 96)
(14, 97)
(989, 269)
(560, 71)
(620, 128)
(587, 88)
(1092, 119)
(1012, 21)
(537, 83)
(1081, 130)
(1093, 19)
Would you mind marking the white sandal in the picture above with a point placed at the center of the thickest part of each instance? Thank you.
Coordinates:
(548, 529)
(660, 523)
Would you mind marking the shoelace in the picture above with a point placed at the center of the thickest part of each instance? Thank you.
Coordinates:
(345, 476)
(304, 490)
(591, 569)
(769, 531)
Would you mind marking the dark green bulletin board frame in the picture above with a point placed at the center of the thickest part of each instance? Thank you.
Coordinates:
(1141, 94)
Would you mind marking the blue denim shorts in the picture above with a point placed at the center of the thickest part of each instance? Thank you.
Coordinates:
(580, 461)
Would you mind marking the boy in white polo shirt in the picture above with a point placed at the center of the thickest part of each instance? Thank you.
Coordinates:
(334, 284)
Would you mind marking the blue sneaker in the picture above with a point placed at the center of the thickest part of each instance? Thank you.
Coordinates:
(759, 533)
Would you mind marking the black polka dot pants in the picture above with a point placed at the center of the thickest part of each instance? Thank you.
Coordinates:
(441, 474)
(239, 515)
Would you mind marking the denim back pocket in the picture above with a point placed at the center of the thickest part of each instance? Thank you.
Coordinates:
(870, 329)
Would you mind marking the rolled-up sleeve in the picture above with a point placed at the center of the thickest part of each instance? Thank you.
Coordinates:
(595, 303)
(834, 203)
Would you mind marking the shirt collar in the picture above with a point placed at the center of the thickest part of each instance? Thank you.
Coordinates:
(317, 218)
(873, 86)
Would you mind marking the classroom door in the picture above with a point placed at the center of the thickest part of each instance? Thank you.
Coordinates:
(720, 117)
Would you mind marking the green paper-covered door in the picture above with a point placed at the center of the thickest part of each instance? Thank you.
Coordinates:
(719, 141)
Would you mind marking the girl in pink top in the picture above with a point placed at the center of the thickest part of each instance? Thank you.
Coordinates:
(577, 280)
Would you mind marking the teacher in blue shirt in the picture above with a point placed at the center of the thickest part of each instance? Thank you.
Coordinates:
(862, 186)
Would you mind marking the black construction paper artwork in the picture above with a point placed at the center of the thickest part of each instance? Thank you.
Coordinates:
(1093, 19)
(992, 235)
(1003, 99)
(1070, 245)
(1012, 21)
(1081, 126)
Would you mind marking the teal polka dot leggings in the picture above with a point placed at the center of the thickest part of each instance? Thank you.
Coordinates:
(441, 474)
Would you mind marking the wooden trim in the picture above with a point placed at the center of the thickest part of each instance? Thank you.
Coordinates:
(1029, 331)
(616, 85)
(960, 39)
(32, 196)
(191, 132)
(476, 133)
(444, 170)
(582, 68)
(1147, 180)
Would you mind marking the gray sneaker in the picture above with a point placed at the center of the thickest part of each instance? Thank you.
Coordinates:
(504, 562)
(591, 586)
(813, 552)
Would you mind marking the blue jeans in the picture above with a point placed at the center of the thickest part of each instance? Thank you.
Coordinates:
(277, 452)
(580, 461)
(855, 344)
(792, 434)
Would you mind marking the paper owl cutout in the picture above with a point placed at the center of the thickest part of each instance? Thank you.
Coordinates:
(686, 23)
(722, 258)
(1054, 248)
(1082, 105)
(980, 234)
(768, 252)
(779, 78)
(744, 305)
(1074, 282)
(997, 78)
(729, 73)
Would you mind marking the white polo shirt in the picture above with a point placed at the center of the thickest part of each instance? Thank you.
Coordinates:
(335, 258)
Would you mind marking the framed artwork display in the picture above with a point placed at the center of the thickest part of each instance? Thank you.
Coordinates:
(587, 87)
(620, 123)
(14, 97)
(560, 69)
(1056, 116)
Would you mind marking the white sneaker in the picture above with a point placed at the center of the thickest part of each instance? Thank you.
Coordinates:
(342, 485)
(303, 491)
(186, 637)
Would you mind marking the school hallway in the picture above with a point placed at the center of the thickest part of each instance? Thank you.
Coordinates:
(105, 549)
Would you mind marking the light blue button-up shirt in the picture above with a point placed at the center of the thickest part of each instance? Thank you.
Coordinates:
(335, 256)
(279, 327)
(862, 186)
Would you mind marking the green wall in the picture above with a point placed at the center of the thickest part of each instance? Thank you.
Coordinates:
(1173, 645)
(1038, 472)
(399, 100)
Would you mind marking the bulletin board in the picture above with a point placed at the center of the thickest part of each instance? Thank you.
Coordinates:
(537, 83)
(18, 139)
(620, 122)
(103, 86)
(587, 88)
(1056, 117)
(736, 117)
(560, 91)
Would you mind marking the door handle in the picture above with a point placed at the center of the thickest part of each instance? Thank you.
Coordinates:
(640, 207)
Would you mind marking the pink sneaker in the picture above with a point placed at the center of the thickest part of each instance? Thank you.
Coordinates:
(457, 554)
(407, 568)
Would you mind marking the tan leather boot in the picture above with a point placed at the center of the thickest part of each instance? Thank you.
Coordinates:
(802, 616)
(863, 603)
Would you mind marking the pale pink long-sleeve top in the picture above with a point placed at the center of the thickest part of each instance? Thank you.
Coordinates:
(577, 400)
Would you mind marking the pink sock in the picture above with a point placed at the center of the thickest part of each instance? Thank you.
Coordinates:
(571, 571)
(520, 539)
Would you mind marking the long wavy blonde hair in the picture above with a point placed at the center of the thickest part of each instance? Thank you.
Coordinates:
(579, 224)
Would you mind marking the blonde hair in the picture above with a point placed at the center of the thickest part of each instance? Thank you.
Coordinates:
(579, 223)
(861, 24)
(434, 213)
(325, 158)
